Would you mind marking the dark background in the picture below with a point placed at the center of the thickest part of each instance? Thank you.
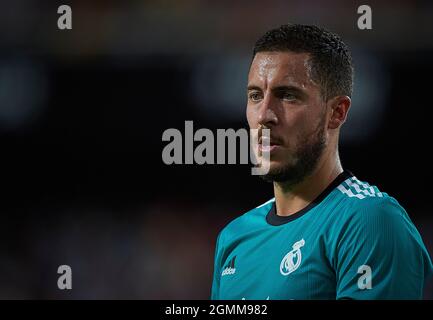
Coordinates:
(82, 113)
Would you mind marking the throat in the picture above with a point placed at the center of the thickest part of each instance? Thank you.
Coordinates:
(292, 198)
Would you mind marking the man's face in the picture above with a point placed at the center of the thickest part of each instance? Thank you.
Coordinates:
(283, 98)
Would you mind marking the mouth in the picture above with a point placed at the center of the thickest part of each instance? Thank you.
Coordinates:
(272, 144)
(270, 148)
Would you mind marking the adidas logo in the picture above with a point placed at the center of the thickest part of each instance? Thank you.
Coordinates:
(229, 268)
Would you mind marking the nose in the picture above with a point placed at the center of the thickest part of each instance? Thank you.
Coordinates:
(267, 116)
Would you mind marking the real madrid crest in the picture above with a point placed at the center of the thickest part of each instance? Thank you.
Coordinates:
(292, 260)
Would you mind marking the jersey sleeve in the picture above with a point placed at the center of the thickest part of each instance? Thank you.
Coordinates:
(217, 269)
(380, 254)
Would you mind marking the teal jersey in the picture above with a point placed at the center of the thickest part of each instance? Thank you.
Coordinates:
(352, 242)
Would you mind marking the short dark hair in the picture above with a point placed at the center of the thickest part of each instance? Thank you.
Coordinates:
(330, 58)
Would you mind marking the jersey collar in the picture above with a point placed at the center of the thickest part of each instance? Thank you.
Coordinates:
(273, 219)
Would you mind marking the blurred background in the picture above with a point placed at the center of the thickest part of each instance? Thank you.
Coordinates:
(82, 113)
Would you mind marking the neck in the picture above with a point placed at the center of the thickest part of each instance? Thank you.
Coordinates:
(290, 200)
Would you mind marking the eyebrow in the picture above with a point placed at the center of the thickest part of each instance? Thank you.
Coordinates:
(251, 87)
(277, 89)
(287, 88)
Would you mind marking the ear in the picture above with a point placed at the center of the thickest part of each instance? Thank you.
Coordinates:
(339, 107)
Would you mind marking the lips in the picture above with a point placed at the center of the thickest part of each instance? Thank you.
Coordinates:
(272, 141)
(263, 148)
(271, 144)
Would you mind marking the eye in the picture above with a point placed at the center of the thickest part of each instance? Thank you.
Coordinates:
(288, 96)
(254, 96)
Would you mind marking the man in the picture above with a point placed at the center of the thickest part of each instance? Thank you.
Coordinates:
(326, 234)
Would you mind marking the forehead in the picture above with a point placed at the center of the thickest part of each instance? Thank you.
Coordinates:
(279, 68)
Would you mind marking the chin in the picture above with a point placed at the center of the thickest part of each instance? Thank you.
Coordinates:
(276, 167)
(281, 172)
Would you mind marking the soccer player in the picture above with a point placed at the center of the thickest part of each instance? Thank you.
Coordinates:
(325, 234)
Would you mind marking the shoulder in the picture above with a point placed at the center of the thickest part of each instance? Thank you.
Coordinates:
(247, 220)
(360, 209)
(374, 229)
(366, 209)
(359, 198)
